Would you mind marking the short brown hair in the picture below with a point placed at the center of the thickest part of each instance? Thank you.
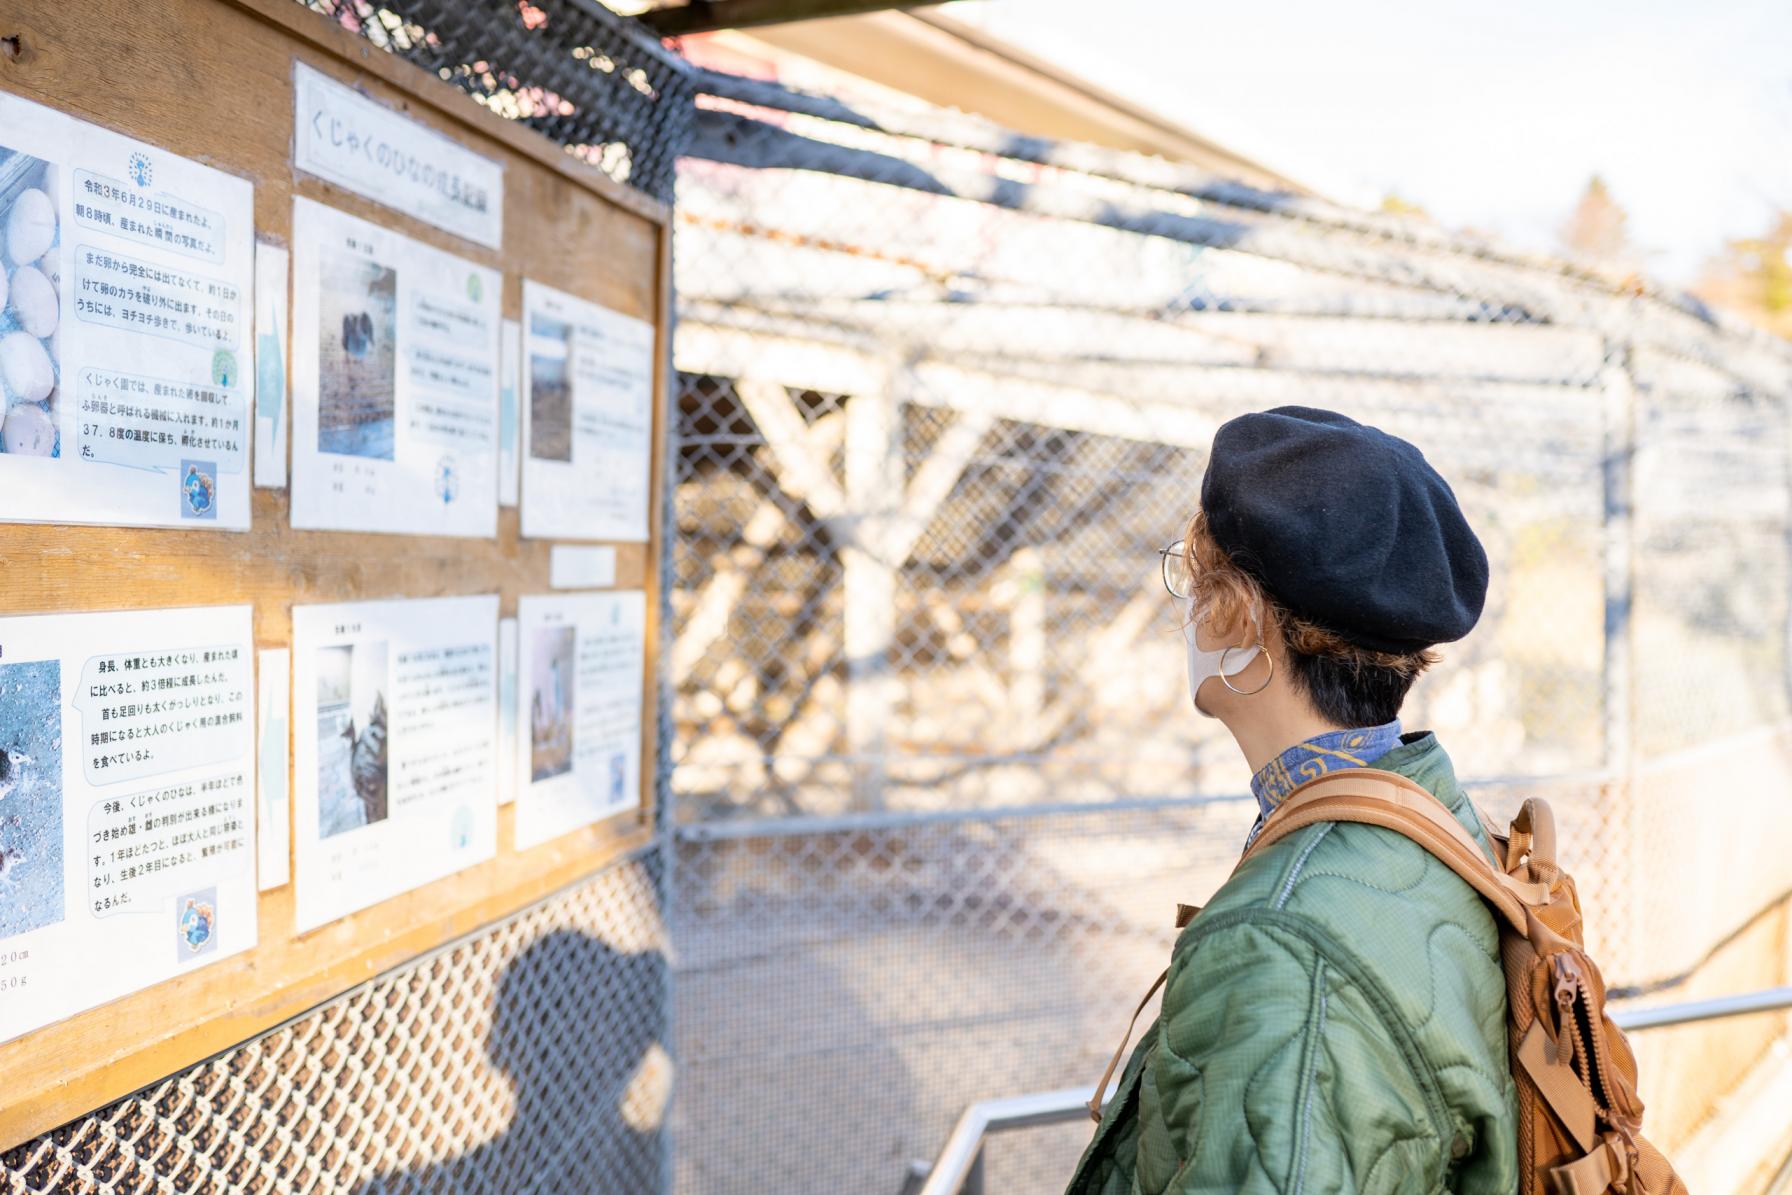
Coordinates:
(1348, 685)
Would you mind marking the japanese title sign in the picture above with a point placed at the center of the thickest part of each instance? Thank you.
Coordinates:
(125, 340)
(341, 135)
(127, 822)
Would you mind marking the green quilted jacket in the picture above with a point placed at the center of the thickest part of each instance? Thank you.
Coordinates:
(1334, 1021)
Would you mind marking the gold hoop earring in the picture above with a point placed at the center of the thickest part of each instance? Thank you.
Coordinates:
(1227, 681)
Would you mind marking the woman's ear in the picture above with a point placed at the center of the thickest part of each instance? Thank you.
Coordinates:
(1269, 628)
(1230, 619)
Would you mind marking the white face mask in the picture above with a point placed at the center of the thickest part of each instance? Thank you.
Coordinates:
(1204, 665)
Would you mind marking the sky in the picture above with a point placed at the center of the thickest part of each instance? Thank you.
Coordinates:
(1489, 116)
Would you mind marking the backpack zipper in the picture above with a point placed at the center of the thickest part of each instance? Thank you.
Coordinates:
(1574, 1019)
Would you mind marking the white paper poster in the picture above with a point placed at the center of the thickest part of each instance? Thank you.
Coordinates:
(580, 674)
(355, 142)
(506, 710)
(394, 748)
(272, 265)
(587, 419)
(127, 822)
(273, 715)
(125, 277)
(395, 382)
(510, 416)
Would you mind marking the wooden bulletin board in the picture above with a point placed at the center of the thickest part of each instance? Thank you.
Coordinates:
(212, 80)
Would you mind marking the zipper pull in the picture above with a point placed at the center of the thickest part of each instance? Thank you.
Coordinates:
(1567, 989)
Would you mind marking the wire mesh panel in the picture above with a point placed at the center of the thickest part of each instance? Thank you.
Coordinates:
(574, 72)
(844, 993)
(1712, 539)
(865, 984)
(944, 393)
(1713, 543)
(982, 404)
(532, 1057)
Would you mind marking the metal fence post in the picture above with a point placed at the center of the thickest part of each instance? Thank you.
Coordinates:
(1784, 400)
(1618, 549)
(1618, 457)
(873, 492)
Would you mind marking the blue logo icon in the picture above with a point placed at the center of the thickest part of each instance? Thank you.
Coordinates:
(447, 480)
(142, 172)
(618, 779)
(461, 830)
(198, 490)
(196, 922)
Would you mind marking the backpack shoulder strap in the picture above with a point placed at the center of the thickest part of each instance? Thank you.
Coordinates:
(1395, 803)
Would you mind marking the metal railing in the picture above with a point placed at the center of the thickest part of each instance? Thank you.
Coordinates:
(958, 1170)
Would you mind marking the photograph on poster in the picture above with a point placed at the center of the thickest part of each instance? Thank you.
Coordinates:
(551, 704)
(31, 892)
(30, 306)
(550, 389)
(351, 737)
(357, 368)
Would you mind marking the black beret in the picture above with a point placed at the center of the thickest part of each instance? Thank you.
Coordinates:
(1346, 526)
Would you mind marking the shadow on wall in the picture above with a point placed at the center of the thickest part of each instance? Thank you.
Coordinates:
(577, 1031)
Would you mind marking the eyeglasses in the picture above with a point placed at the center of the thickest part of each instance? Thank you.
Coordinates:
(1177, 577)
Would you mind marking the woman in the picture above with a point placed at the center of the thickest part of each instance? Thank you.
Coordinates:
(1334, 1020)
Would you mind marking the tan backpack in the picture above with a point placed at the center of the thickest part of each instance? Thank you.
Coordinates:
(1579, 1116)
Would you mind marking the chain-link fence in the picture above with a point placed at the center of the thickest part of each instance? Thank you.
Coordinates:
(571, 70)
(944, 392)
(532, 1057)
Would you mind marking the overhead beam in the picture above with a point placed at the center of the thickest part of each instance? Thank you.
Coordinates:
(952, 64)
(707, 16)
(1064, 407)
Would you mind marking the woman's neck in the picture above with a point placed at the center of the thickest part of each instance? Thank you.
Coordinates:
(1274, 731)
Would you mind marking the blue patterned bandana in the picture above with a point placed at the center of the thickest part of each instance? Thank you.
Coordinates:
(1329, 752)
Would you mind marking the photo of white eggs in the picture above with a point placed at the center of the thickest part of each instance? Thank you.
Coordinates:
(30, 305)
